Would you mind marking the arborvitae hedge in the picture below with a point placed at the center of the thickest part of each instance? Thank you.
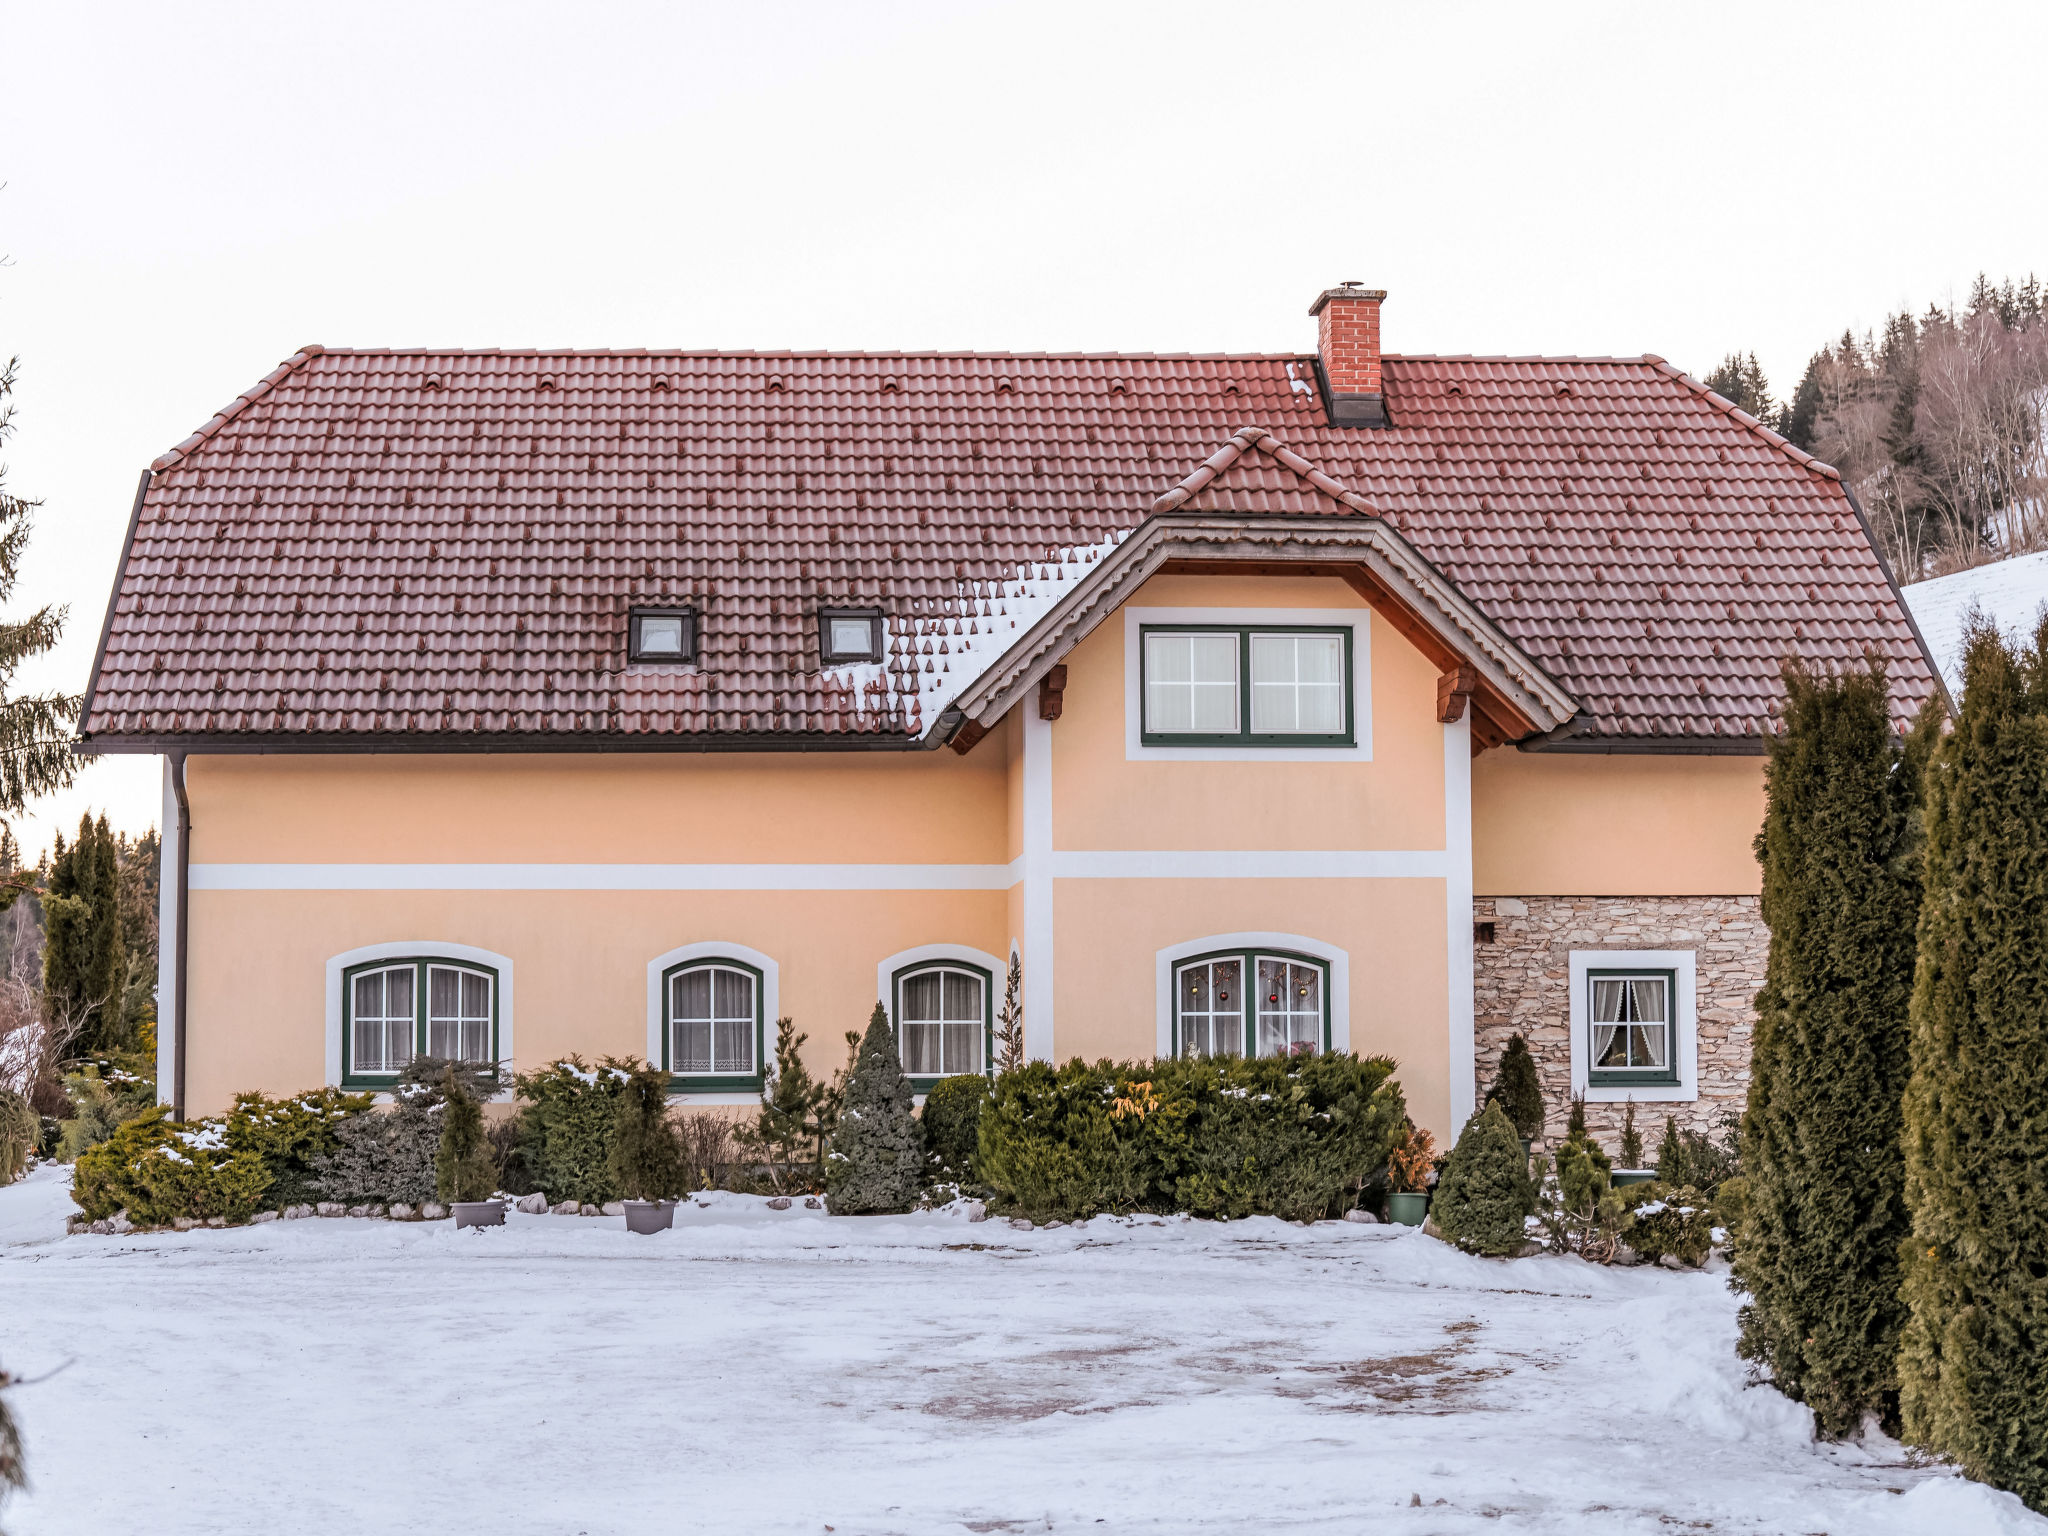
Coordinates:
(1484, 1192)
(463, 1169)
(1973, 1366)
(952, 1123)
(1819, 1253)
(876, 1165)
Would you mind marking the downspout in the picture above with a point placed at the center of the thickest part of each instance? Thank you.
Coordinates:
(183, 942)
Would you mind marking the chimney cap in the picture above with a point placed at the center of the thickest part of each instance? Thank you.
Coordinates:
(1346, 291)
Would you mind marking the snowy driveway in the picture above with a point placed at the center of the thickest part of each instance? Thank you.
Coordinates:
(766, 1372)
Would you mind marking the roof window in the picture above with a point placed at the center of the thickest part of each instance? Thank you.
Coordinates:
(849, 634)
(662, 634)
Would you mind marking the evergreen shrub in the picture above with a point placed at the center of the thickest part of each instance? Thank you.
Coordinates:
(158, 1170)
(566, 1122)
(1663, 1222)
(387, 1155)
(291, 1136)
(952, 1125)
(463, 1168)
(1686, 1156)
(647, 1155)
(1973, 1359)
(876, 1165)
(1484, 1193)
(1631, 1138)
(1517, 1090)
(20, 1131)
(787, 1138)
(1819, 1253)
(1580, 1210)
(1221, 1136)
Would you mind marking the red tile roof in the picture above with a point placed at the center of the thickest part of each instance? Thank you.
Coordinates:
(380, 544)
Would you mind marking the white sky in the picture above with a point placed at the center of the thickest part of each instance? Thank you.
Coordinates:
(195, 190)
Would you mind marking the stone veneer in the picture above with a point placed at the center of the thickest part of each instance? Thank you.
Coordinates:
(1522, 982)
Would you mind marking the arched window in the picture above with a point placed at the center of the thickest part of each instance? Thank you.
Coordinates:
(942, 1020)
(714, 1024)
(1251, 1002)
(394, 1010)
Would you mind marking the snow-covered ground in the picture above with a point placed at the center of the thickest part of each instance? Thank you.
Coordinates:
(759, 1372)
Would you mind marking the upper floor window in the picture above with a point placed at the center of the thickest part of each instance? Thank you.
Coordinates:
(662, 634)
(849, 635)
(1246, 684)
(713, 1038)
(942, 1021)
(394, 1010)
(1251, 1004)
(1629, 1014)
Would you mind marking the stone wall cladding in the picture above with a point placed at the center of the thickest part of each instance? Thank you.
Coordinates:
(1522, 983)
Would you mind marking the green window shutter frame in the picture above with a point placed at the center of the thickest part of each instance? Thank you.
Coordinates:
(709, 1082)
(1635, 1077)
(350, 1078)
(1248, 959)
(921, 1082)
(1244, 736)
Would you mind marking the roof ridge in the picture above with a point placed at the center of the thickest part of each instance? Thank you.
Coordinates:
(239, 404)
(1257, 439)
(1742, 418)
(961, 352)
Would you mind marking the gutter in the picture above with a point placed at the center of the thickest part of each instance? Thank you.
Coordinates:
(181, 909)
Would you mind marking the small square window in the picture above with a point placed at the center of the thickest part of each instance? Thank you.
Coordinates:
(663, 634)
(849, 635)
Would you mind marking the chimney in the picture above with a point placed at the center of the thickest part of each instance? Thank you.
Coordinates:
(1348, 345)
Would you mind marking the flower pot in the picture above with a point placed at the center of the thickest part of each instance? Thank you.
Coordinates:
(478, 1213)
(1407, 1209)
(1527, 1143)
(650, 1215)
(1622, 1176)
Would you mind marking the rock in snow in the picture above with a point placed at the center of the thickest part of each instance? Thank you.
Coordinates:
(331, 1208)
(433, 1210)
(1362, 1216)
(568, 1208)
(400, 1211)
(615, 1208)
(531, 1205)
(779, 1203)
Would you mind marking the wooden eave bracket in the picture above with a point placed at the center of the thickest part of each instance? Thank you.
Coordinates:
(1052, 692)
(968, 737)
(1454, 691)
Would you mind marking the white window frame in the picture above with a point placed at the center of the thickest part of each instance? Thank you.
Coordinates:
(1357, 620)
(1684, 966)
(1167, 963)
(939, 954)
(657, 1009)
(428, 950)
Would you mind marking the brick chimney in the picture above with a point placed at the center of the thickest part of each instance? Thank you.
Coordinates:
(1348, 344)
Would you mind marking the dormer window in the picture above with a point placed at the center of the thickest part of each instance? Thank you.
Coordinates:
(663, 634)
(849, 635)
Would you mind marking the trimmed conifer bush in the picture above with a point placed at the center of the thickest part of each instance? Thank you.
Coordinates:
(1517, 1090)
(387, 1156)
(463, 1169)
(787, 1137)
(876, 1165)
(952, 1122)
(647, 1154)
(1973, 1361)
(1483, 1193)
(567, 1112)
(1819, 1253)
(158, 1170)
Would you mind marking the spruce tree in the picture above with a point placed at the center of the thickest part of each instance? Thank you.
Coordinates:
(35, 729)
(1484, 1192)
(787, 1133)
(1517, 1090)
(1973, 1363)
(877, 1160)
(1819, 1250)
(463, 1167)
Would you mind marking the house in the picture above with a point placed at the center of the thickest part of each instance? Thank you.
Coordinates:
(520, 703)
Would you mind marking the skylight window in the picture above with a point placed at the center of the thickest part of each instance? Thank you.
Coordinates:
(849, 635)
(663, 634)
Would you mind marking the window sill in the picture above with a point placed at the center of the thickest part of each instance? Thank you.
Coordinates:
(707, 1084)
(1250, 743)
(1620, 1080)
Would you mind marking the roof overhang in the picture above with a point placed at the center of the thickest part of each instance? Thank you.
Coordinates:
(1513, 698)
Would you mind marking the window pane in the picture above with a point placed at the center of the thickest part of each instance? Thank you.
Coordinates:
(1648, 997)
(852, 637)
(1646, 1045)
(661, 637)
(734, 993)
(1610, 1046)
(1297, 684)
(922, 997)
(1211, 1008)
(1169, 658)
(1607, 1000)
(444, 994)
(690, 995)
(1290, 1007)
(962, 1048)
(1215, 685)
(691, 1047)
(1191, 683)
(735, 1046)
(921, 1046)
(476, 996)
(398, 993)
(476, 1040)
(398, 1041)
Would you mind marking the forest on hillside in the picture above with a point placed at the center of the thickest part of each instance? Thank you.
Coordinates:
(1936, 423)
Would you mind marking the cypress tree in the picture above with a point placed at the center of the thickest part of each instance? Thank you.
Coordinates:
(1516, 1089)
(1818, 1253)
(463, 1168)
(647, 1154)
(877, 1160)
(84, 961)
(1973, 1363)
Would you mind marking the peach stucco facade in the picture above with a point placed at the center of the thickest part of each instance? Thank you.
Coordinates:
(1100, 861)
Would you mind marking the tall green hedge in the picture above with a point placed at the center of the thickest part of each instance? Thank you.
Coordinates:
(1819, 1253)
(566, 1117)
(1974, 1362)
(1220, 1137)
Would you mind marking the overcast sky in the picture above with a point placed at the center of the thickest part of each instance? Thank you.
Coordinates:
(194, 191)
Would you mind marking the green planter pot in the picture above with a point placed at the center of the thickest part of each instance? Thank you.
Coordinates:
(1407, 1210)
(1623, 1176)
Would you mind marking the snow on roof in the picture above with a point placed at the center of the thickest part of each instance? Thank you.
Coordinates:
(2010, 593)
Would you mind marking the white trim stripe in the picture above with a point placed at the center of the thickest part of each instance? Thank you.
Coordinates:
(1137, 864)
